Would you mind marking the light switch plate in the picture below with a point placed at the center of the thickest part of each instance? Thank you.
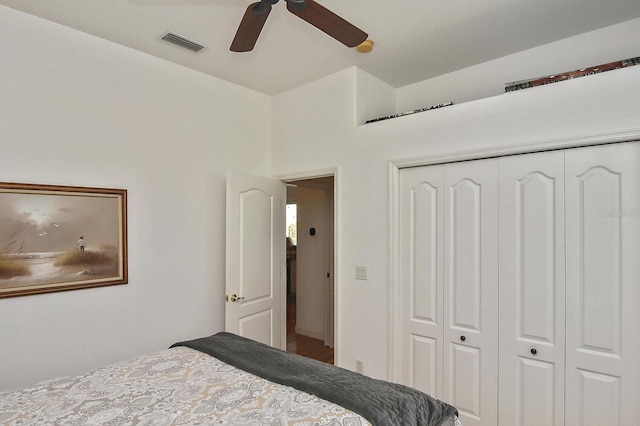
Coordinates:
(362, 272)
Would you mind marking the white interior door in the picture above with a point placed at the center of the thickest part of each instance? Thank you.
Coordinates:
(603, 285)
(448, 257)
(471, 290)
(420, 293)
(329, 335)
(255, 259)
(532, 290)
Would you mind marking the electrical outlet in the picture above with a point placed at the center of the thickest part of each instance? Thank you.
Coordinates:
(359, 366)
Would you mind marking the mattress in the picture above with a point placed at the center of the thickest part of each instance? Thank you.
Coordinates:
(177, 386)
(222, 380)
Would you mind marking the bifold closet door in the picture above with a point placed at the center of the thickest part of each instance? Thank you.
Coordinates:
(532, 290)
(471, 290)
(603, 285)
(449, 285)
(421, 334)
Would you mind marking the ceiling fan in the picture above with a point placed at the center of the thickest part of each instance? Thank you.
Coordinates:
(256, 15)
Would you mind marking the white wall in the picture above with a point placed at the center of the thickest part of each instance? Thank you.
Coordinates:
(77, 110)
(321, 135)
(311, 266)
(594, 48)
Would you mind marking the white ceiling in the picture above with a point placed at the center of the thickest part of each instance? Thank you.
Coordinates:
(414, 39)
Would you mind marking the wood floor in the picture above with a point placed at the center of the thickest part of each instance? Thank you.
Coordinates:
(303, 345)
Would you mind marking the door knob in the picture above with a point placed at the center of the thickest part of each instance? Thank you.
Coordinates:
(534, 351)
(234, 297)
(463, 338)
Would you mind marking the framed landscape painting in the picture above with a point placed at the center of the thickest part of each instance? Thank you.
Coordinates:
(55, 238)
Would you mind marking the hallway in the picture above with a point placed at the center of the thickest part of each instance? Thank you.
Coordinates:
(303, 345)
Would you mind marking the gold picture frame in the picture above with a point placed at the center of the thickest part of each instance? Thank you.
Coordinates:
(57, 238)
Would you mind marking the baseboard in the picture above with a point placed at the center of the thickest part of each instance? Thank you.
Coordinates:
(314, 334)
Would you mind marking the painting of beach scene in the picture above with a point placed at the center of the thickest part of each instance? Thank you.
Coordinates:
(55, 238)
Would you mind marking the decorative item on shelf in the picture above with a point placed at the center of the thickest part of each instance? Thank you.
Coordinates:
(409, 112)
(554, 78)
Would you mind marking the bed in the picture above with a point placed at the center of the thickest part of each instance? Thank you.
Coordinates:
(222, 379)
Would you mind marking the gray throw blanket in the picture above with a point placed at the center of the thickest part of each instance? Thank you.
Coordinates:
(381, 403)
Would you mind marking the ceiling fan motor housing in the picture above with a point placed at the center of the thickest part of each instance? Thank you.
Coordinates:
(299, 5)
(317, 15)
(263, 7)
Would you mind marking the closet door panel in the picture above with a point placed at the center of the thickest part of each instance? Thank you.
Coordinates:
(603, 276)
(421, 357)
(424, 363)
(471, 289)
(532, 289)
(537, 398)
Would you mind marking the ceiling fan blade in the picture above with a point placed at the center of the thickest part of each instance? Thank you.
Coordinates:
(327, 21)
(250, 27)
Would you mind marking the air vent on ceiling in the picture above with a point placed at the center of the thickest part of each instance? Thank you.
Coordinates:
(182, 42)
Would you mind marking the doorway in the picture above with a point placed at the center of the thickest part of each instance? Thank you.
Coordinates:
(310, 268)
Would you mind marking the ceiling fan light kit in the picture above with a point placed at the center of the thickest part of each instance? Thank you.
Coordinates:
(365, 47)
(256, 15)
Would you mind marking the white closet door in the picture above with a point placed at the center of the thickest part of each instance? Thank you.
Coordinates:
(471, 290)
(532, 290)
(421, 361)
(603, 285)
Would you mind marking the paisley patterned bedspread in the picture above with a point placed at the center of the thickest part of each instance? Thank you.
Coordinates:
(178, 386)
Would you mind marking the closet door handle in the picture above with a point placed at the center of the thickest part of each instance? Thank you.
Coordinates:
(534, 351)
(463, 338)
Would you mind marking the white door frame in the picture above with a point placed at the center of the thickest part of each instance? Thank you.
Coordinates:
(394, 166)
(335, 172)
